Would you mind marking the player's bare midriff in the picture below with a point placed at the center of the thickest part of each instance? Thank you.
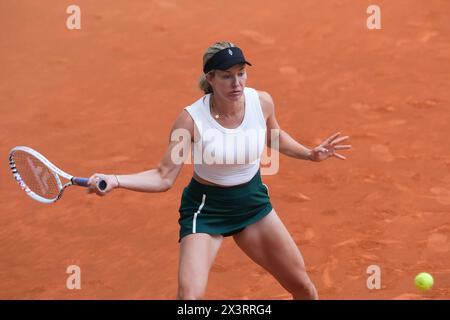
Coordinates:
(203, 181)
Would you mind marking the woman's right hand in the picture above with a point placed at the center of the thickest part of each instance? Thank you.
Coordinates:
(94, 180)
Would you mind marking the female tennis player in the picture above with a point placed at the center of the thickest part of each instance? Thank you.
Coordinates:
(228, 198)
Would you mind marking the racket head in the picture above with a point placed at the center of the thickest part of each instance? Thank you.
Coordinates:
(36, 175)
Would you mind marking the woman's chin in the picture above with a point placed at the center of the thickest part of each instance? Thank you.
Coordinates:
(234, 96)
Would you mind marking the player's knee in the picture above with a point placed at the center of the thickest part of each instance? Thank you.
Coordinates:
(306, 291)
(186, 292)
(302, 288)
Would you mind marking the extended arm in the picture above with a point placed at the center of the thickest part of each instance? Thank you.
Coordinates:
(162, 177)
(290, 147)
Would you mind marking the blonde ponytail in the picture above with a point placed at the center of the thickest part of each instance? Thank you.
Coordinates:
(204, 84)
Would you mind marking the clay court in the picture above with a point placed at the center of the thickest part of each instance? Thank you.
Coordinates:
(103, 99)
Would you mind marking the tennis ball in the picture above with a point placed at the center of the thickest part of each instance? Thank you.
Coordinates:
(424, 281)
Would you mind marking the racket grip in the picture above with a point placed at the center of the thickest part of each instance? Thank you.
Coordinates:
(80, 181)
(84, 182)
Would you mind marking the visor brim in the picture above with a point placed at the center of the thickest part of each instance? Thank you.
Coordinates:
(232, 62)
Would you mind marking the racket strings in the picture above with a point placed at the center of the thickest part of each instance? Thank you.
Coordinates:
(36, 175)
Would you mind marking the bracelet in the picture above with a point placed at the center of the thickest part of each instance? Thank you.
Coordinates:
(118, 183)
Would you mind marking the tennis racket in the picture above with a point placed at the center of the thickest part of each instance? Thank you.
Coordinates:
(41, 179)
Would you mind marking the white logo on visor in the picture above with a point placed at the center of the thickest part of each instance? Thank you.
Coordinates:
(230, 52)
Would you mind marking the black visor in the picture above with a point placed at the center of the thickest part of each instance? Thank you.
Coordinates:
(225, 59)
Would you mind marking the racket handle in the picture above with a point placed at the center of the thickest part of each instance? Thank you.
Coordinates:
(84, 182)
(80, 181)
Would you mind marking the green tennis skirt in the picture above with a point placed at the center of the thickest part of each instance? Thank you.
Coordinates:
(222, 210)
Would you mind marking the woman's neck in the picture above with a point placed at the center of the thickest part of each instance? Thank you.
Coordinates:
(226, 108)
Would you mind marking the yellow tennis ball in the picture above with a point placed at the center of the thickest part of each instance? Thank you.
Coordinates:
(424, 281)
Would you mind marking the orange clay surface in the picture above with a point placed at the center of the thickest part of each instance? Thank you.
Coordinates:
(103, 99)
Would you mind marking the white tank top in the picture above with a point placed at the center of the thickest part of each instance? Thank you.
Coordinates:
(228, 156)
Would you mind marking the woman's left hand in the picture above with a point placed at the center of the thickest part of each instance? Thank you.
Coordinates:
(328, 148)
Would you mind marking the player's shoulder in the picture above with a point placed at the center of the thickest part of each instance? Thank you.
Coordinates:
(264, 95)
(266, 101)
(184, 121)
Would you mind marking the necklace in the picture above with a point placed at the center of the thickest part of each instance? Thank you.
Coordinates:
(217, 116)
(211, 101)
